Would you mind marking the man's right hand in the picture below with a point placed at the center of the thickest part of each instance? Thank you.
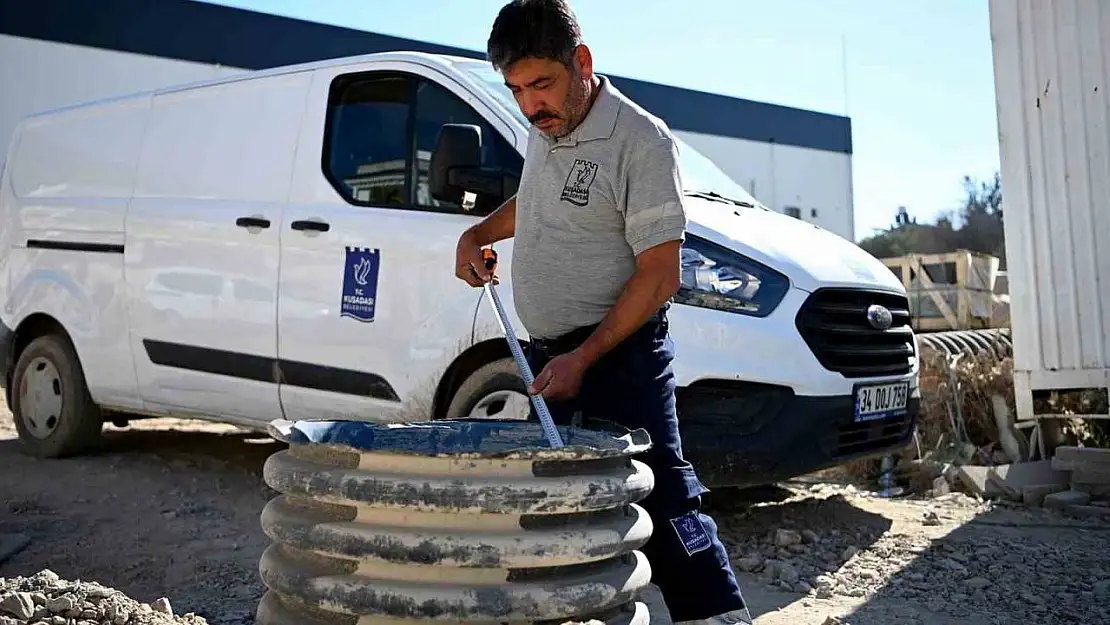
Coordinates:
(469, 265)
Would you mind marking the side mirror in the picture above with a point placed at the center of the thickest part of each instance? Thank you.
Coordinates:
(456, 167)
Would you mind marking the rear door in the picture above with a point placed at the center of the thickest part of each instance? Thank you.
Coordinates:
(369, 310)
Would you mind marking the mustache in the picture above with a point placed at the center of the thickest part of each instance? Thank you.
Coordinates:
(541, 116)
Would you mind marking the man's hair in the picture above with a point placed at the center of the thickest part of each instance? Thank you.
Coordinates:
(542, 29)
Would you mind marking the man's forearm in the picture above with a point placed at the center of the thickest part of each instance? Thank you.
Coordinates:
(643, 295)
(497, 226)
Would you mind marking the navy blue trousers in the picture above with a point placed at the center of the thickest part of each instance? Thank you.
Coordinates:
(633, 386)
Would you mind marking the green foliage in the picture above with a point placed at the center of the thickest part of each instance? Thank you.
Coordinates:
(979, 227)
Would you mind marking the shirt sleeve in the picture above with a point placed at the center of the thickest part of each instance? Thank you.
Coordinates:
(653, 208)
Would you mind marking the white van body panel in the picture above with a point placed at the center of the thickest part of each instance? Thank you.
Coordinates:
(69, 179)
(212, 154)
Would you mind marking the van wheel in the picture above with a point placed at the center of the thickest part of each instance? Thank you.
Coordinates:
(493, 391)
(51, 406)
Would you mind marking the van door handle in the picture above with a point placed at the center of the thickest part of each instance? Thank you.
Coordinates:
(310, 224)
(252, 222)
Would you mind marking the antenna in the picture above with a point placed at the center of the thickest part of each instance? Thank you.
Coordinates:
(844, 68)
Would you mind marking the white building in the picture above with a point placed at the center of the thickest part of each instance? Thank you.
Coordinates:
(54, 53)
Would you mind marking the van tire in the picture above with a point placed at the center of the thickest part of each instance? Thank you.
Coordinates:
(78, 426)
(492, 382)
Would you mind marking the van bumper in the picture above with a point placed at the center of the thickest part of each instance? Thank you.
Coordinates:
(744, 434)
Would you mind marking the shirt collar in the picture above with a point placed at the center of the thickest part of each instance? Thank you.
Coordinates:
(601, 119)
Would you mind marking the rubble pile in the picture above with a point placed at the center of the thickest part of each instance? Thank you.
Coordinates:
(46, 599)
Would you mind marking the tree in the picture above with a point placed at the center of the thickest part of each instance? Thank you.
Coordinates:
(980, 227)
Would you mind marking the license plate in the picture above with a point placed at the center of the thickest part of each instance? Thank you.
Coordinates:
(879, 401)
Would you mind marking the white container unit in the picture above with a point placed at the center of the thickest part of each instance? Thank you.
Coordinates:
(1052, 74)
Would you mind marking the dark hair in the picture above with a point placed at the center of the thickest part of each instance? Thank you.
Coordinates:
(543, 29)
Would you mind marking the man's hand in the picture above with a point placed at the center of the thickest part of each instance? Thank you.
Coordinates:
(497, 226)
(562, 377)
(469, 265)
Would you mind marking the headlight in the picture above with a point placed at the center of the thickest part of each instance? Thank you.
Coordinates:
(718, 278)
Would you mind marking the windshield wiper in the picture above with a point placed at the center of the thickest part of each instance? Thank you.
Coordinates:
(717, 197)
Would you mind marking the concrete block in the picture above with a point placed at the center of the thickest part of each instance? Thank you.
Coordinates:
(1069, 458)
(975, 480)
(1066, 498)
(1034, 495)
(1012, 478)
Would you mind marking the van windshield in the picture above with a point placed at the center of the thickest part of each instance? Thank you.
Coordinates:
(698, 172)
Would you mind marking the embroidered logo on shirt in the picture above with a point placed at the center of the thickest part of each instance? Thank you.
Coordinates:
(576, 190)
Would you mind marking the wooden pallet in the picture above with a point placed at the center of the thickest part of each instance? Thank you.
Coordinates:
(953, 291)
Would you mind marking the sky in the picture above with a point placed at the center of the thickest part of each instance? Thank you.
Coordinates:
(915, 76)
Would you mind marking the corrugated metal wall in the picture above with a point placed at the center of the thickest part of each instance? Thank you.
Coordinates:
(1052, 62)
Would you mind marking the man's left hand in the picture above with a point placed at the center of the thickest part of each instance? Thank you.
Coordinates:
(562, 377)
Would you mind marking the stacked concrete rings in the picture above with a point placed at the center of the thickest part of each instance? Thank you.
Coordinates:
(454, 521)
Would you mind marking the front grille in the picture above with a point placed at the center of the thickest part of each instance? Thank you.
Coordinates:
(834, 324)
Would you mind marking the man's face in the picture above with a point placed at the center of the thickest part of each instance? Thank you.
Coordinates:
(552, 96)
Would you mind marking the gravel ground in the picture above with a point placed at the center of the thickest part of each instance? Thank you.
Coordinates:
(167, 515)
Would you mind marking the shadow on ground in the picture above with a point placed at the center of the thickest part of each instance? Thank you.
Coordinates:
(749, 520)
(1008, 565)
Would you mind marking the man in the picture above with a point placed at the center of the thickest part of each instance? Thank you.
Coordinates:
(598, 223)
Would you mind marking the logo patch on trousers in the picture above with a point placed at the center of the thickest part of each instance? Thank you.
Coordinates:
(576, 189)
(691, 532)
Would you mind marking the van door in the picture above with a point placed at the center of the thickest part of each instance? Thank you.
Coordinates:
(202, 246)
(369, 309)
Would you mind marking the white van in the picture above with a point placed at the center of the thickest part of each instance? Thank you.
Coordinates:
(272, 245)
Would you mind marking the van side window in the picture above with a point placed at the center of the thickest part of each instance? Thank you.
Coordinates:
(435, 106)
(365, 141)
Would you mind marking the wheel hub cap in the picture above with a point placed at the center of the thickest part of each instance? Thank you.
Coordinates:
(502, 405)
(40, 398)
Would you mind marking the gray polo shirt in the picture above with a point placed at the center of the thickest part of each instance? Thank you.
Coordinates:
(587, 204)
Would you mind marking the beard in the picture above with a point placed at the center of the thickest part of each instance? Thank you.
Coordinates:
(574, 109)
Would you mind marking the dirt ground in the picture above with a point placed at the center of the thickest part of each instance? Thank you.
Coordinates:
(170, 509)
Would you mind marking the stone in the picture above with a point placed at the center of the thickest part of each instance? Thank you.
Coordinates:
(785, 538)
(163, 605)
(20, 605)
(749, 564)
(62, 604)
(786, 572)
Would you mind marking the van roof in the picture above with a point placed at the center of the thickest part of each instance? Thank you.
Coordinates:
(443, 61)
